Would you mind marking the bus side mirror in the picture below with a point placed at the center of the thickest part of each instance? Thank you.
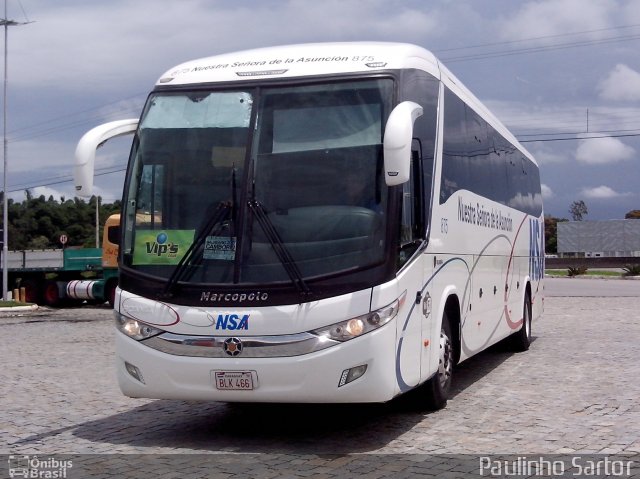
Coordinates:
(86, 151)
(398, 136)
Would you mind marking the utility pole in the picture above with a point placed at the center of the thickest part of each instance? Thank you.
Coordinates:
(587, 120)
(6, 23)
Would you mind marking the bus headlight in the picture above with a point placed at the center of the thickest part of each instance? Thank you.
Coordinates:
(354, 327)
(135, 329)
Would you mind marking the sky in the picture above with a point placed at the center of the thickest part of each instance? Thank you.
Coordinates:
(562, 75)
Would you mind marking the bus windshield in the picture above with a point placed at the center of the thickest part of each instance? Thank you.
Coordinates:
(267, 185)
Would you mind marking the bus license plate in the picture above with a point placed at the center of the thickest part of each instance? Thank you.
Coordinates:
(233, 380)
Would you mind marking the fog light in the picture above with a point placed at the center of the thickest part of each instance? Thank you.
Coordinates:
(352, 374)
(134, 371)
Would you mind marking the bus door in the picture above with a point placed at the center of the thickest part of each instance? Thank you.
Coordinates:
(411, 276)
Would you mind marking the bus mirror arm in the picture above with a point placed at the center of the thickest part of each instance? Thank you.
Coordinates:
(398, 136)
(86, 151)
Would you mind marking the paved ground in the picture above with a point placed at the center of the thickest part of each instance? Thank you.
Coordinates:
(575, 392)
(583, 286)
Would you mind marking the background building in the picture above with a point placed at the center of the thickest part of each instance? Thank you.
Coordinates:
(617, 238)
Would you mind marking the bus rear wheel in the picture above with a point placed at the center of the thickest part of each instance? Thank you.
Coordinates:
(438, 388)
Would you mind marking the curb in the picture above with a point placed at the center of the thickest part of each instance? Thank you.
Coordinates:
(19, 309)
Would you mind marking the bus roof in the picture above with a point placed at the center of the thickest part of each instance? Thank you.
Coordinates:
(300, 61)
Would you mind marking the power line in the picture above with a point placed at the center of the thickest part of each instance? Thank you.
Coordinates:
(545, 37)
(574, 138)
(583, 132)
(78, 113)
(56, 129)
(483, 56)
(69, 125)
(63, 179)
(577, 117)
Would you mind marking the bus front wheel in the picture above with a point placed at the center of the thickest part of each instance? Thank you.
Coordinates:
(437, 388)
(521, 340)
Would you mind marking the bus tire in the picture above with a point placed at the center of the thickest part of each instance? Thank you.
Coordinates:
(521, 340)
(438, 387)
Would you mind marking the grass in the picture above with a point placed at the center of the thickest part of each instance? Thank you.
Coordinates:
(565, 273)
(12, 304)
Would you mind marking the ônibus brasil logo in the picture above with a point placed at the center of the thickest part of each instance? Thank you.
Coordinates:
(161, 246)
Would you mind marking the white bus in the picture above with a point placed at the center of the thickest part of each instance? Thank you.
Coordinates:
(318, 223)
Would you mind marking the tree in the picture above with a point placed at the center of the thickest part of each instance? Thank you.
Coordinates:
(37, 222)
(633, 214)
(551, 234)
(578, 210)
(39, 242)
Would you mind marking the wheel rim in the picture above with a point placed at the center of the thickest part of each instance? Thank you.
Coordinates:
(445, 366)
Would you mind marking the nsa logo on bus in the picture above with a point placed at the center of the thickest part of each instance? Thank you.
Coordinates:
(232, 322)
(536, 250)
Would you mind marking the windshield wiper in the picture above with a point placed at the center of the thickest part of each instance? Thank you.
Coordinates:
(280, 249)
(218, 215)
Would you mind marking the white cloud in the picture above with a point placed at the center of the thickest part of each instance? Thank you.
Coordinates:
(47, 191)
(35, 155)
(60, 190)
(601, 151)
(553, 17)
(545, 156)
(622, 84)
(99, 46)
(547, 192)
(602, 193)
(631, 12)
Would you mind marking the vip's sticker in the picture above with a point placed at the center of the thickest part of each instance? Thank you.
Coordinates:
(220, 247)
(161, 248)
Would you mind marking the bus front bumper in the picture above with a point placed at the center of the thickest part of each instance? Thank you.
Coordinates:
(308, 378)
